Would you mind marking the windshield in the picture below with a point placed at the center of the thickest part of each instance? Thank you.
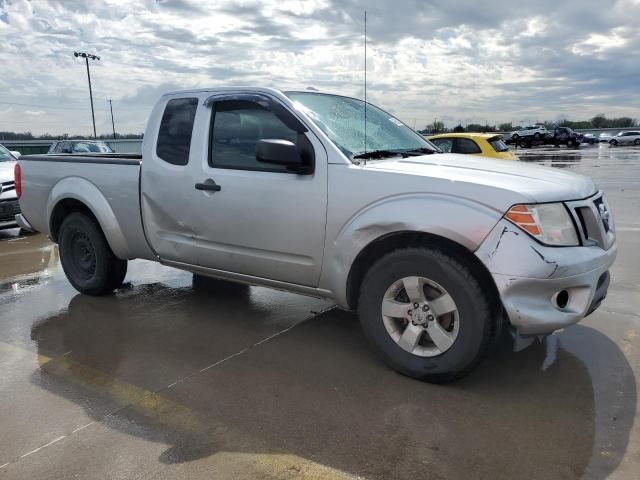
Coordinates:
(92, 147)
(342, 120)
(5, 155)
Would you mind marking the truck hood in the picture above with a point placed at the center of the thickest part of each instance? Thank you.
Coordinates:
(530, 183)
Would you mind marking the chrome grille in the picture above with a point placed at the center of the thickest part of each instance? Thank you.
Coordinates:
(594, 221)
(9, 209)
(7, 186)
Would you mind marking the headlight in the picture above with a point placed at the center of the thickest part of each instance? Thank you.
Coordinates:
(549, 223)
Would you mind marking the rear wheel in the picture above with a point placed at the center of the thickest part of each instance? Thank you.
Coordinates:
(636, 141)
(87, 260)
(425, 314)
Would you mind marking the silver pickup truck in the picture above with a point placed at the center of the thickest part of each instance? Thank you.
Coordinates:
(435, 251)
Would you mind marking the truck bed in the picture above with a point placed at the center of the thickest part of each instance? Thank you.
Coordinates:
(109, 184)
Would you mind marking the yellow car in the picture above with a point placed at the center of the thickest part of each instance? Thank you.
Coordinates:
(483, 144)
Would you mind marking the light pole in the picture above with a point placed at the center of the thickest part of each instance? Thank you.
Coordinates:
(113, 125)
(86, 57)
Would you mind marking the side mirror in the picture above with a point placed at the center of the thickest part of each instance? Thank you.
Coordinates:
(15, 153)
(281, 152)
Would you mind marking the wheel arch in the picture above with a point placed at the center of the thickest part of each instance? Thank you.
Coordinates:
(411, 239)
(79, 195)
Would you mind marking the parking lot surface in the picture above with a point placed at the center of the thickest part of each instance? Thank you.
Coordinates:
(175, 377)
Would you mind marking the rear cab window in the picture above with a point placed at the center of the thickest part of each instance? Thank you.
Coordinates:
(176, 129)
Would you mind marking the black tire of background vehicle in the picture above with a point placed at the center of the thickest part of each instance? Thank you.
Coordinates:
(515, 137)
(570, 143)
(476, 324)
(536, 136)
(636, 141)
(87, 260)
(613, 142)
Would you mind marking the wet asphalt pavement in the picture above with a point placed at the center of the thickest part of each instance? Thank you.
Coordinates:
(180, 378)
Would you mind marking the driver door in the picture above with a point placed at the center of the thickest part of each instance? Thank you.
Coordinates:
(252, 218)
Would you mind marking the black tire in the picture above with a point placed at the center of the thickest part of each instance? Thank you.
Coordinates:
(536, 136)
(87, 260)
(515, 137)
(570, 143)
(613, 142)
(636, 141)
(476, 322)
(118, 274)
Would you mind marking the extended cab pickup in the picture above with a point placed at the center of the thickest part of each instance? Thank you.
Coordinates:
(435, 251)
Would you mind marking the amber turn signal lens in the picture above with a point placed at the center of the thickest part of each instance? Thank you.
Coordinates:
(523, 217)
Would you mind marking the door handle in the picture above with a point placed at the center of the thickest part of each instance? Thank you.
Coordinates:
(208, 185)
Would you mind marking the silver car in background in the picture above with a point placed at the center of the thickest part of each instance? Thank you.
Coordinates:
(626, 138)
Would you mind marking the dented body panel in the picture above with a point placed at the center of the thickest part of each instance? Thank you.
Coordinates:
(529, 277)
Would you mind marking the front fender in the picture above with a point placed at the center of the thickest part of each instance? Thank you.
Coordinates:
(81, 189)
(457, 219)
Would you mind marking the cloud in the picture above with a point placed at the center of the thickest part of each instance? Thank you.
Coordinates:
(463, 61)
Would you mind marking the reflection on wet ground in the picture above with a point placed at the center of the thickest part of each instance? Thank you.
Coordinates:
(176, 377)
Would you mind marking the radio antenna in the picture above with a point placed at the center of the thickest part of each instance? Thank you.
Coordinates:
(365, 87)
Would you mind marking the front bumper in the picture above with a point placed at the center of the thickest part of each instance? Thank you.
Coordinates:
(542, 288)
(8, 210)
(23, 223)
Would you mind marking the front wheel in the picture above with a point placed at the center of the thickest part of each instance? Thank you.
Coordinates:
(613, 142)
(425, 314)
(636, 141)
(87, 260)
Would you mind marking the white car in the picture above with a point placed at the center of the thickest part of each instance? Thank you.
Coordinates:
(9, 206)
(535, 131)
(626, 138)
(605, 137)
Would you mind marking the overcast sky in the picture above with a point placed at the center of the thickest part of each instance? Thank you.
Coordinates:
(457, 60)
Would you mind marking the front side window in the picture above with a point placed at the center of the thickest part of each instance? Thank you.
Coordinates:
(176, 128)
(238, 126)
(5, 155)
(342, 119)
(466, 146)
(444, 144)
